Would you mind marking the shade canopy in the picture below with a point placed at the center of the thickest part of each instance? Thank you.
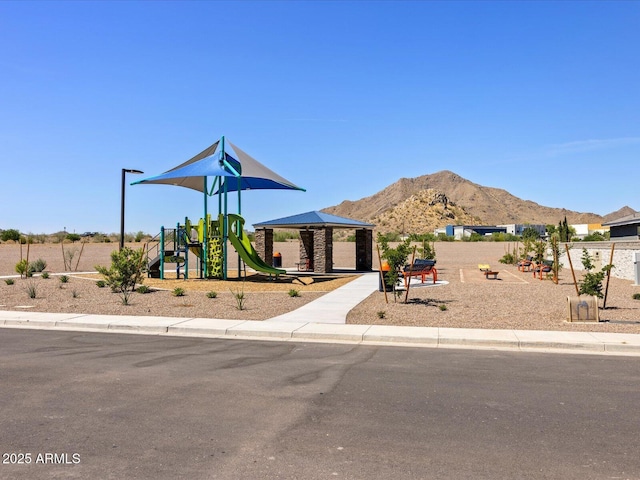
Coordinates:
(314, 219)
(241, 173)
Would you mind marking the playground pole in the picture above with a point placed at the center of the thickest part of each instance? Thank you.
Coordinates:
(205, 240)
(238, 226)
(162, 253)
(225, 233)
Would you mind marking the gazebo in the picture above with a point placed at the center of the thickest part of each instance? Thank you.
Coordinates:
(316, 239)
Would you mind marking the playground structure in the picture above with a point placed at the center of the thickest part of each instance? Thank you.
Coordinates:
(209, 239)
(173, 245)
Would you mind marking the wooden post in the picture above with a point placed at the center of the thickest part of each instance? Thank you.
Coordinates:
(384, 282)
(606, 289)
(413, 257)
(575, 282)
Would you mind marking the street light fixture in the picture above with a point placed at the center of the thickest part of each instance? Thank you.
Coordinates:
(124, 171)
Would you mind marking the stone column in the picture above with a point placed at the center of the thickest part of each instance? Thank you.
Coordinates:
(306, 248)
(264, 244)
(364, 249)
(323, 250)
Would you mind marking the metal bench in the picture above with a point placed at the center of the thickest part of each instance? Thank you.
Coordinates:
(420, 268)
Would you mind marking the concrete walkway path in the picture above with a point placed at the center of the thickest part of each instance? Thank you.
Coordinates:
(334, 306)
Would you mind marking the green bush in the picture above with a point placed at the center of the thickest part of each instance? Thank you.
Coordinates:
(32, 289)
(381, 314)
(294, 293)
(178, 292)
(9, 281)
(38, 265)
(101, 283)
(45, 275)
(442, 307)
(64, 279)
(22, 268)
(143, 289)
(127, 267)
(212, 294)
(591, 283)
(73, 237)
(636, 296)
(508, 259)
(240, 297)
(284, 236)
(10, 234)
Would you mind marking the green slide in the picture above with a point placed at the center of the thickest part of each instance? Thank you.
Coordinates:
(245, 249)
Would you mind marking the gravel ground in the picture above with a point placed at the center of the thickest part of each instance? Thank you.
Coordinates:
(463, 297)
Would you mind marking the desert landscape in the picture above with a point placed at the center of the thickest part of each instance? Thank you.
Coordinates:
(463, 297)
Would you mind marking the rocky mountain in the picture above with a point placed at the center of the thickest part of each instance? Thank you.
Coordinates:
(421, 204)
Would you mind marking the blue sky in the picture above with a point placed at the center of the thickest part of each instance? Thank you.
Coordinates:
(541, 99)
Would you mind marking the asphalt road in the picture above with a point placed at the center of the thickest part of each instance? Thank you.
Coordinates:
(110, 406)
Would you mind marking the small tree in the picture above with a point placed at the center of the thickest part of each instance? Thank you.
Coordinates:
(126, 271)
(396, 257)
(591, 283)
(530, 233)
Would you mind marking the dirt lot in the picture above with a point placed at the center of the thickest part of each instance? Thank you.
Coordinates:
(463, 297)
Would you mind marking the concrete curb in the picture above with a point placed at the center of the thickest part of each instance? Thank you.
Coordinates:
(433, 337)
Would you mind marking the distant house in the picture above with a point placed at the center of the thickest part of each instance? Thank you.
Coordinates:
(460, 231)
(584, 229)
(625, 228)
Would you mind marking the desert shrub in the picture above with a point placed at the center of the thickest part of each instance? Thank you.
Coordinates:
(45, 275)
(381, 314)
(73, 237)
(636, 296)
(178, 292)
(38, 265)
(239, 297)
(443, 237)
(10, 234)
(101, 283)
(442, 307)
(212, 294)
(594, 237)
(22, 268)
(127, 267)
(64, 279)
(143, 289)
(508, 259)
(474, 237)
(32, 289)
(294, 293)
(9, 281)
(530, 233)
(74, 293)
(284, 236)
(427, 251)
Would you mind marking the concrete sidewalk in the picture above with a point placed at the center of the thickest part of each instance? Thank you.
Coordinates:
(515, 340)
(334, 306)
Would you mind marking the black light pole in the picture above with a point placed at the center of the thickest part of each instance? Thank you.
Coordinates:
(124, 171)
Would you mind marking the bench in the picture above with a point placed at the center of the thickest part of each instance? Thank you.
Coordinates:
(421, 268)
(525, 265)
(540, 268)
(488, 273)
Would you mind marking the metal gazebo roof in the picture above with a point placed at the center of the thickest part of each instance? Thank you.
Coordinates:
(314, 219)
